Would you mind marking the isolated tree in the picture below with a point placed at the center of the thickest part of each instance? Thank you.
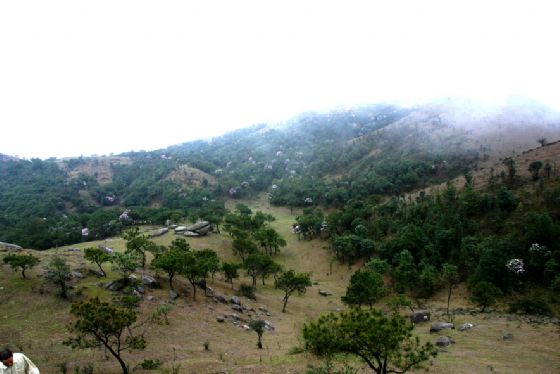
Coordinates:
(58, 273)
(366, 287)
(138, 243)
(230, 271)
(542, 141)
(102, 325)
(450, 276)
(258, 325)
(548, 169)
(253, 265)
(243, 247)
(194, 269)
(535, 168)
(97, 256)
(21, 262)
(171, 261)
(290, 282)
(209, 260)
(405, 273)
(385, 344)
(269, 240)
(125, 263)
(485, 294)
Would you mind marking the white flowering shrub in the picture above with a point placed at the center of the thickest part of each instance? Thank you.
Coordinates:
(516, 266)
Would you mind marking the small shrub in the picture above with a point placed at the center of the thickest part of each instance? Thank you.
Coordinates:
(535, 305)
(206, 345)
(149, 364)
(247, 291)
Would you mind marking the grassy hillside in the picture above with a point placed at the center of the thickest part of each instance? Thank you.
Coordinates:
(34, 319)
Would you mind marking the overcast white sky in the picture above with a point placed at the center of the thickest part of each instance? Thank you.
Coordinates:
(95, 77)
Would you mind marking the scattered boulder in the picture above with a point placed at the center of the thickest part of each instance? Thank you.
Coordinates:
(201, 228)
(150, 281)
(191, 234)
(77, 275)
(324, 293)
(105, 249)
(116, 285)
(8, 247)
(438, 326)
(419, 316)
(140, 289)
(444, 341)
(95, 273)
(466, 326)
(180, 229)
(73, 249)
(507, 336)
(220, 298)
(173, 295)
(158, 232)
(151, 298)
(268, 326)
(235, 300)
(220, 319)
(237, 308)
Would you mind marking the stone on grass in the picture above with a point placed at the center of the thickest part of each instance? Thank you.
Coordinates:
(444, 341)
(438, 326)
(419, 316)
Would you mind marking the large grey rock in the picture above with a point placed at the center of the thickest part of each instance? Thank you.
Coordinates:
(220, 298)
(180, 229)
(237, 308)
(191, 234)
(198, 226)
(158, 232)
(419, 316)
(438, 326)
(444, 341)
(116, 285)
(9, 247)
(105, 249)
(220, 319)
(324, 293)
(150, 281)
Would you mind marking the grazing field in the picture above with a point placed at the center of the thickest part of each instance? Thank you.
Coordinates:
(33, 319)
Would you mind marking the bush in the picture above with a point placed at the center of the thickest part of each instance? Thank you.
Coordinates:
(149, 364)
(527, 305)
(247, 291)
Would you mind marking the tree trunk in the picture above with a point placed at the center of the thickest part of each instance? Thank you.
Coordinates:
(23, 273)
(285, 302)
(102, 271)
(171, 282)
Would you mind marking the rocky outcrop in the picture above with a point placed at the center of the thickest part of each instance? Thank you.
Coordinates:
(8, 247)
(201, 228)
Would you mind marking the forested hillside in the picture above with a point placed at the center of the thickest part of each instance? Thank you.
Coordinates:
(384, 207)
(315, 159)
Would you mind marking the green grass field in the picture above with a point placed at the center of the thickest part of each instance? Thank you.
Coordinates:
(33, 319)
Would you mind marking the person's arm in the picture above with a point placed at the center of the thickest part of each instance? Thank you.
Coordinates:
(30, 366)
